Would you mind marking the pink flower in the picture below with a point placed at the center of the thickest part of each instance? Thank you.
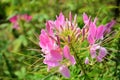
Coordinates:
(56, 54)
(15, 20)
(95, 34)
(26, 17)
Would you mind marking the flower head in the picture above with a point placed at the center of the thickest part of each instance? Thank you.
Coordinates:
(54, 41)
(15, 20)
(95, 36)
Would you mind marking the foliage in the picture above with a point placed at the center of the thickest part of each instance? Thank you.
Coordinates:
(20, 54)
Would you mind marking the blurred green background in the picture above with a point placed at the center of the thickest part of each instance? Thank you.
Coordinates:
(20, 55)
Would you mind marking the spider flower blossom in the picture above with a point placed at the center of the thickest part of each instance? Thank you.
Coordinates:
(54, 41)
(95, 35)
(15, 19)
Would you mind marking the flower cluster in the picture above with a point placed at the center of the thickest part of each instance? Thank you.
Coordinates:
(95, 37)
(15, 20)
(62, 38)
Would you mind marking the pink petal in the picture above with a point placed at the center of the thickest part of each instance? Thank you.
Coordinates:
(49, 26)
(66, 51)
(64, 71)
(42, 39)
(90, 39)
(67, 55)
(45, 41)
(95, 46)
(51, 59)
(56, 55)
(16, 25)
(60, 21)
(99, 59)
(93, 53)
(26, 17)
(85, 18)
(109, 25)
(93, 49)
(99, 32)
(72, 59)
(92, 29)
(13, 19)
(92, 33)
(102, 52)
(51, 63)
(61, 18)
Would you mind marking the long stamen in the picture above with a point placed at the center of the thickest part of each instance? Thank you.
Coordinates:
(83, 34)
(70, 17)
(69, 39)
(75, 18)
(58, 40)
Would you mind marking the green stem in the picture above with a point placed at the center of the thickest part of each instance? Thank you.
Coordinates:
(9, 67)
(79, 62)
